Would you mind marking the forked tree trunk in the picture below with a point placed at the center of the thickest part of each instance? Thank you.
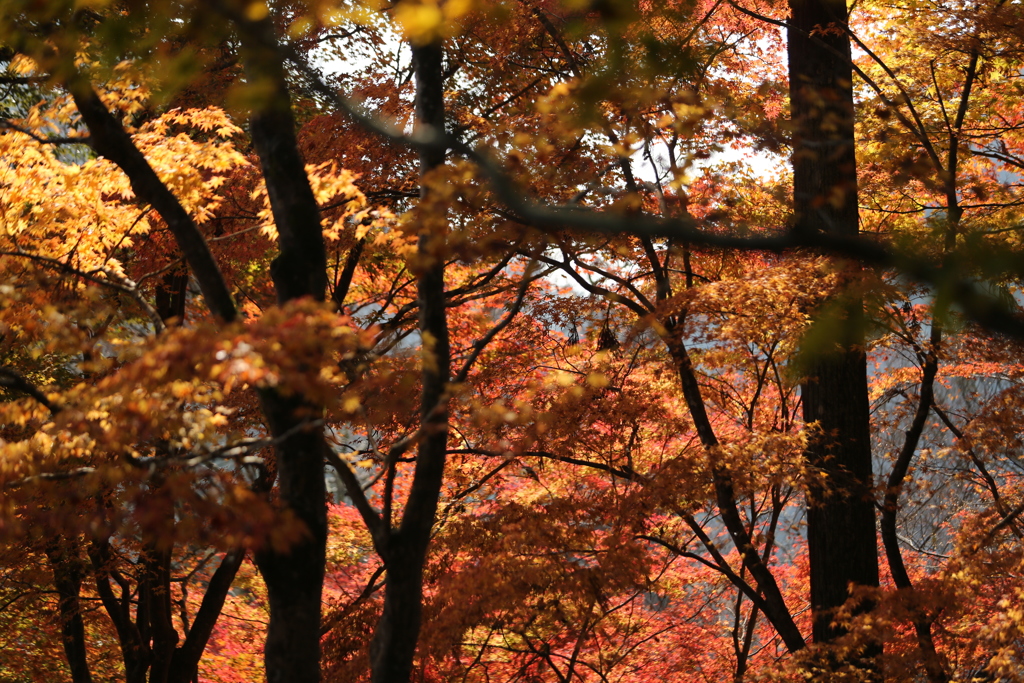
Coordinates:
(840, 515)
(294, 577)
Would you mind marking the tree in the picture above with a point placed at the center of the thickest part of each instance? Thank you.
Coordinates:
(575, 482)
(840, 510)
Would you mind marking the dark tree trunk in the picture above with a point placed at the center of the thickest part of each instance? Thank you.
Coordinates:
(405, 550)
(134, 646)
(68, 568)
(773, 604)
(840, 515)
(185, 663)
(156, 587)
(171, 295)
(294, 577)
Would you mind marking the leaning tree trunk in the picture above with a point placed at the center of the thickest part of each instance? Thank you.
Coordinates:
(840, 514)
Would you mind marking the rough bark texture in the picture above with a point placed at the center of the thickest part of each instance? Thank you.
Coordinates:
(294, 577)
(840, 516)
(394, 640)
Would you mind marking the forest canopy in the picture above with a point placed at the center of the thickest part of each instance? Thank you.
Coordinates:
(511, 340)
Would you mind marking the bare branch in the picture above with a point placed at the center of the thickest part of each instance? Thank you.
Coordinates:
(15, 380)
(68, 140)
(480, 344)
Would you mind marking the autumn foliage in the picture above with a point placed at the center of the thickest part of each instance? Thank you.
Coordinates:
(563, 340)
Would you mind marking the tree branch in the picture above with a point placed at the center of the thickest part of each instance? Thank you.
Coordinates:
(15, 380)
(67, 140)
(109, 139)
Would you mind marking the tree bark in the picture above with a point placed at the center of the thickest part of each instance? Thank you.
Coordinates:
(840, 514)
(156, 587)
(294, 577)
(68, 568)
(405, 552)
(774, 604)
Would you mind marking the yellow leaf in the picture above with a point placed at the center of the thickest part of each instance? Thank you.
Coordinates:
(421, 21)
(256, 11)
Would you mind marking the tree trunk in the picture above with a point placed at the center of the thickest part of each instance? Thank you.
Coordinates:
(840, 514)
(134, 648)
(397, 632)
(294, 577)
(156, 583)
(185, 663)
(774, 604)
(68, 567)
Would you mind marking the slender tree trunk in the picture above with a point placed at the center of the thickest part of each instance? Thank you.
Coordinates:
(890, 509)
(294, 577)
(185, 663)
(68, 568)
(134, 647)
(840, 514)
(405, 552)
(157, 583)
(774, 604)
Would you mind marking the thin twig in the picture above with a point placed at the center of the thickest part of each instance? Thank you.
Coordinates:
(7, 125)
(480, 344)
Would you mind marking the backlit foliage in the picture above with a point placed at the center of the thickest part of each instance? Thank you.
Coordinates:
(587, 528)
